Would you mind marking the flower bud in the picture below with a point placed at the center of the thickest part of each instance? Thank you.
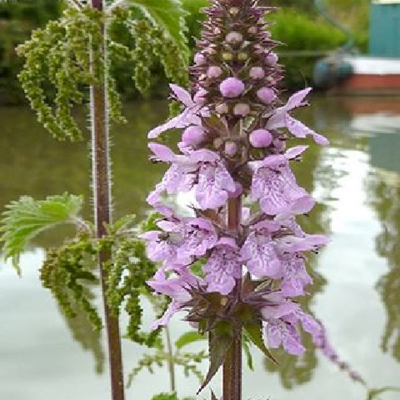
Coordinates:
(266, 95)
(234, 37)
(252, 30)
(214, 72)
(230, 148)
(231, 87)
(199, 97)
(271, 59)
(199, 59)
(260, 138)
(193, 135)
(222, 108)
(227, 56)
(257, 73)
(218, 142)
(242, 56)
(241, 109)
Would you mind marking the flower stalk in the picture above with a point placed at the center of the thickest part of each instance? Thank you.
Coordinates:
(101, 178)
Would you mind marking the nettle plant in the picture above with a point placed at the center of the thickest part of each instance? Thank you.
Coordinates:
(73, 61)
(237, 265)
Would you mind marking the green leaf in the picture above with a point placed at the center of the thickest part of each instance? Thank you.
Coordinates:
(253, 333)
(169, 15)
(188, 338)
(26, 218)
(218, 347)
(123, 224)
(165, 396)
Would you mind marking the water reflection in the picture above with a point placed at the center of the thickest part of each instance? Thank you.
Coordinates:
(356, 181)
(387, 205)
(384, 191)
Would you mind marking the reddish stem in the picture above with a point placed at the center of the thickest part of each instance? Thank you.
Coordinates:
(101, 175)
(232, 368)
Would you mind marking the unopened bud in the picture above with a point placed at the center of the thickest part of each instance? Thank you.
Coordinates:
(214, 72)
(218, 142)
(241, 109)
(252, 30)
(266, 95)
(231, 87)
(230, 148)
(193, 135)
(222, 108)
(199, 59)
(257, 73)
(260, 138)
(234, 37)
(199, 97)
(271, 59)
(227, 56)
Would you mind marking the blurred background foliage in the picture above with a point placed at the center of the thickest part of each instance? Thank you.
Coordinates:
(297, 24)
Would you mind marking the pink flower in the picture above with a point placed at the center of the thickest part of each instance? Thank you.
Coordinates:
(188, 117)
(280, 118)
(223, 267)
(274, 185)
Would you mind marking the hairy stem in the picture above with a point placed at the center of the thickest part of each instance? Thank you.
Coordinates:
(101, 175)
(232, 368)
(171, 363)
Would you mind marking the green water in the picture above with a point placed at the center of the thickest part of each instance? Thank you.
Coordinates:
(357, 277)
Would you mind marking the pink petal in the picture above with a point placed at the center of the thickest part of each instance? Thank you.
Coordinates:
(162, 152)
(186, 118)
(296, 100)
(294, 152)
(182, 95)
(298, 129)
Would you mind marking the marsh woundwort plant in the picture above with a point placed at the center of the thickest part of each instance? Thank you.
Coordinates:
(235, 156)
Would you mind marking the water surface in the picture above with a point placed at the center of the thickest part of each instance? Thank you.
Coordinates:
(357, 277)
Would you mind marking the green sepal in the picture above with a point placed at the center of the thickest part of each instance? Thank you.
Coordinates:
(188, 338)
(254, 333)
(219, 344)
